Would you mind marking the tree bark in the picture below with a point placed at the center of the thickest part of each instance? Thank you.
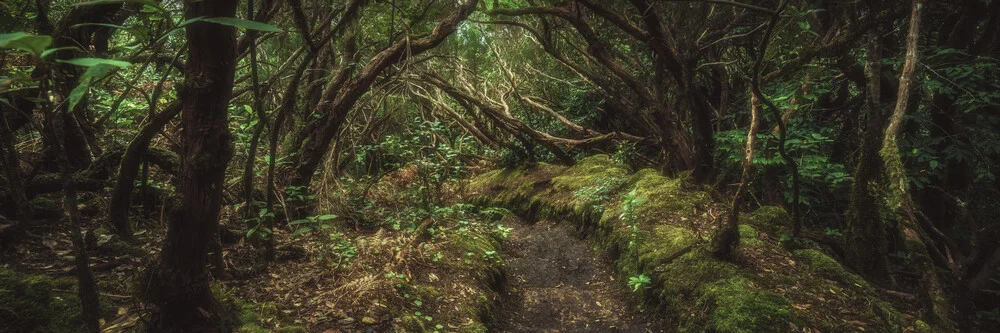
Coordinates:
(128, 169)
(179, 285)
(932, 290)
(867, 249)
(339, 103)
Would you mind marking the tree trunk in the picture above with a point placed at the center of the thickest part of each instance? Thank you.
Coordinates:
(867, 248)
(179, 285)
(54, 128)
(932, 291)
(128, 169)
(728, 238)
(10, 163)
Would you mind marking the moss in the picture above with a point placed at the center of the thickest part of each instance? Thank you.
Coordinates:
(659, 246)
(740, 307)
(425, 292)
(25, 300)
(411, 323)
(473, 328)
(749, 235)
(821, 264)
(771, 220)
(921, 327)
(682, 279)
(249, 316)
(665, 196)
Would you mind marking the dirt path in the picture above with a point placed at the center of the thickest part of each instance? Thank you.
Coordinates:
(557, 283)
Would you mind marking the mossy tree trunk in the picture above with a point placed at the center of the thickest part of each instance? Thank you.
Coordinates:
(867, 249)
(728, 237)
(179, 284)
(932, 291)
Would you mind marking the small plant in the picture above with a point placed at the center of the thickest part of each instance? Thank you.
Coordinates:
(631, 204)
(257, 226)
(298, 194)
(626, 154)
(833, 232)
(640, 281)
(312, 223)
(596, 195)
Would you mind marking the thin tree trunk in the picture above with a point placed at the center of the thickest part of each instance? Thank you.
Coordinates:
(179, 285)
(87, 288)
(933, 295)
(128, 170)
(724, 244)
(10, 161)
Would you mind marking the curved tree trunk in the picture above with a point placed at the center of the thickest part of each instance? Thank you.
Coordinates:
(128, 169)
(179, 285)
(933, 297)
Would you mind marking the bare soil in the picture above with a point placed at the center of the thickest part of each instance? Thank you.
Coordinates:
(557, 283)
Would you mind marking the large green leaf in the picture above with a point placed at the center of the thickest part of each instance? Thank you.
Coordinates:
(91, 62)
(150, 3)
(240, 23)
(92, 74)
(46, 53)
(25, 41)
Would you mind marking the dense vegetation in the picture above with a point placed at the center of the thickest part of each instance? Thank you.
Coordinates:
(302, 165)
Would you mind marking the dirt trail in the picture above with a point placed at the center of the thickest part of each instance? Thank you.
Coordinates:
(557, 283)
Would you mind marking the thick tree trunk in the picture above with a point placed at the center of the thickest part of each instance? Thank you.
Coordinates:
(179, 286)
(867, 248)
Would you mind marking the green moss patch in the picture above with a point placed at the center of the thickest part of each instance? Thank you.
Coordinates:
(739, 306)
(663, 236)
(822, 265)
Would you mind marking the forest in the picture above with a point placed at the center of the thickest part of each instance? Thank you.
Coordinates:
(478, 166)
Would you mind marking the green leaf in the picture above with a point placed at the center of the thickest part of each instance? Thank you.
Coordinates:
(327, 217)
(299, 221)
(106, 25)
(46, 53)
(241, 23)
(96, 72)
(150, 3)
(25, 41)
(91, 62)
(301, 230)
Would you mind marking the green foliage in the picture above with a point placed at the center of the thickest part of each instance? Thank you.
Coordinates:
(23, 41)
(640, 281)
(312, 223)
(239, 23)
(631, 203)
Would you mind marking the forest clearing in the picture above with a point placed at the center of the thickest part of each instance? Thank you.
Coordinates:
(499, 166)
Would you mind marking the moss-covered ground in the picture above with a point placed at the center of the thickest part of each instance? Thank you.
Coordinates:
(659, 227)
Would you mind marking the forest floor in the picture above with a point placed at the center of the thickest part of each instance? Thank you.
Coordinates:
(557, 283)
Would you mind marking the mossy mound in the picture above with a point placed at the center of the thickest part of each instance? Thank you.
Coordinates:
(824, 266)
(29, 304)
(659, 226)
(739, 306)
(25, 301)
